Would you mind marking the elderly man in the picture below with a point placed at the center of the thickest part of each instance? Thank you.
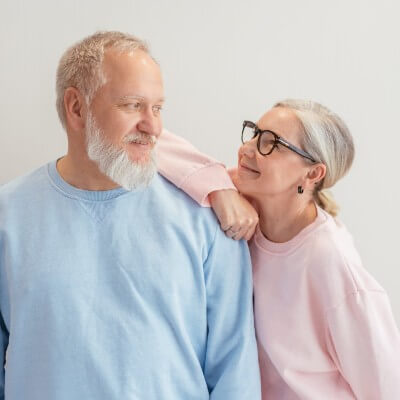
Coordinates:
(113, 283)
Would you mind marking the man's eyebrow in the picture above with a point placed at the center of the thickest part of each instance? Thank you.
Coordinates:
(138, 97)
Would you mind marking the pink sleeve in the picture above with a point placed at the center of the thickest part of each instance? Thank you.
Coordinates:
(195, 173)
(364, 342)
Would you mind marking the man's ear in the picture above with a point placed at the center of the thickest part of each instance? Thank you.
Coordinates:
(75, 109)
(316, 174)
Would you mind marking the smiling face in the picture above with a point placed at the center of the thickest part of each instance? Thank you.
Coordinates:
(127, 107)
(280, 173)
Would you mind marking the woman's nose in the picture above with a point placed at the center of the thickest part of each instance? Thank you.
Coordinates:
(249, 148)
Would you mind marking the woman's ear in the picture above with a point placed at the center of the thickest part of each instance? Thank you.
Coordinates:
(316, 174)
(75, 107)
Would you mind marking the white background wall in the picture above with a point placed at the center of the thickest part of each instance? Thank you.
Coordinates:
(225, 61)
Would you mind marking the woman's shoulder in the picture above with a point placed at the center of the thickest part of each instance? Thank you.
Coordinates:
(332, 241)
(335, 266)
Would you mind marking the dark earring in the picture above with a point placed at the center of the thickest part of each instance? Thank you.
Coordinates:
(300, 189)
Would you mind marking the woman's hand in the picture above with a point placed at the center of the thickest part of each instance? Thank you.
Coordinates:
(237, 217)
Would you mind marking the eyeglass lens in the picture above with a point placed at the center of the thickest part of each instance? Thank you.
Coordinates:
(266, 142)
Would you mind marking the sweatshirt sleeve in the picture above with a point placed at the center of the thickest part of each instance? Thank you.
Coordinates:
(4, 332)
(365, 344)
(231, 364)
(3, 348)
(195, 173)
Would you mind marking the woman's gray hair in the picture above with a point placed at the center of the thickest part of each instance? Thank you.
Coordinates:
(328, 140)
(81, 65)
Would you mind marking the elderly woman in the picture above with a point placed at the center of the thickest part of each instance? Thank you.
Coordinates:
(324, 325)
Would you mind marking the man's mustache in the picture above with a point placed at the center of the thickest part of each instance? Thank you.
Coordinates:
(141, 138)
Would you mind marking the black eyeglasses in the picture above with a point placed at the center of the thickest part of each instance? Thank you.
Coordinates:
(267, 140)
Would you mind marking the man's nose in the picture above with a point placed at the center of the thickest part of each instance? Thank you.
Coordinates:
(150, 123)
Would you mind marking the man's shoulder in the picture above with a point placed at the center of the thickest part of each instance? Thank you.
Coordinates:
(196, 223)
(163, 186)
(178, 204)
(24, 185)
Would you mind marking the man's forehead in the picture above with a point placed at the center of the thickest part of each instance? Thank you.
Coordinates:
(137, 61)
(132, 75)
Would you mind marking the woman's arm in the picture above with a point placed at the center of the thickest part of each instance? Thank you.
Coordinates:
(195, 173)
(364, 342)
(207, 182)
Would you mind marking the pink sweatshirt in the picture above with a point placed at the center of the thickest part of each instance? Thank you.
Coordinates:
(324, 326)
(195, 173)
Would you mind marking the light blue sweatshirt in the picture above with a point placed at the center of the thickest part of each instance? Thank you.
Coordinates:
(118, 295)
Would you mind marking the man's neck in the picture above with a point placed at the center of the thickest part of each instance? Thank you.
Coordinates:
(83, 173)
(282, 220)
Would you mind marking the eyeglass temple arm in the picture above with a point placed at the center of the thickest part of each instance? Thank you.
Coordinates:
(294, 148)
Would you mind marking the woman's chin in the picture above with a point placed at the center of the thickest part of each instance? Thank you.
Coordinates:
(242, 185)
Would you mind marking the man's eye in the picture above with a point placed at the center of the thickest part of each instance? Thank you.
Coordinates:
(157, 109)
(132, 106)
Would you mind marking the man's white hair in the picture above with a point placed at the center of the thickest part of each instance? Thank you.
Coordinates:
(81, 65)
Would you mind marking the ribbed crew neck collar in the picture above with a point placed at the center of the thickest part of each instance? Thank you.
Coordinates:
(72, 191)
(287, 247)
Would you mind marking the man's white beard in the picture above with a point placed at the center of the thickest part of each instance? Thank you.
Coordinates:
(115, 163)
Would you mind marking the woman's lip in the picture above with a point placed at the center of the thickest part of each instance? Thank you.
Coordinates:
(248, 169)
